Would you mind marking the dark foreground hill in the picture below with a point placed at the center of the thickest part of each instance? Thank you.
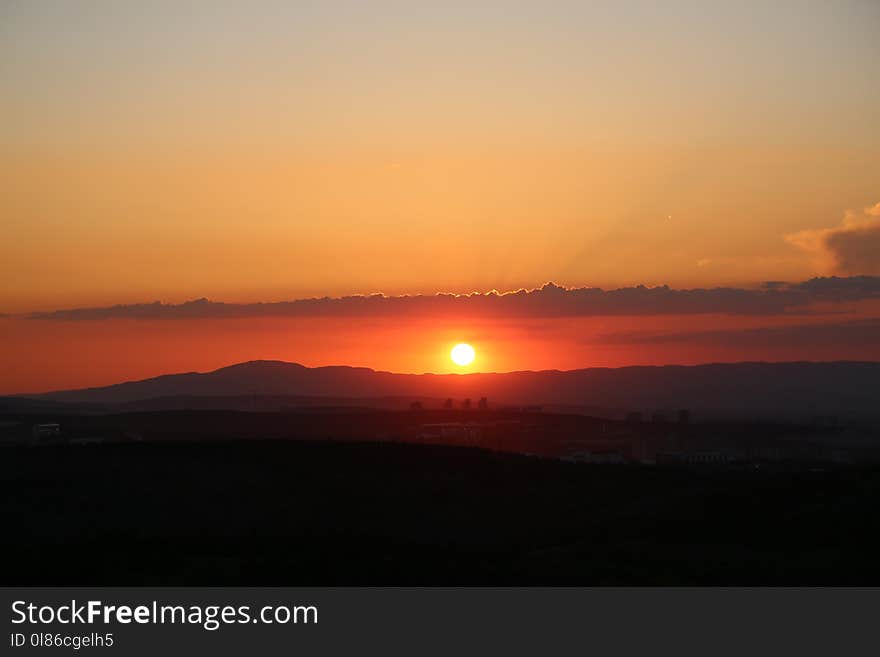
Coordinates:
(779, 389)
(320, 513)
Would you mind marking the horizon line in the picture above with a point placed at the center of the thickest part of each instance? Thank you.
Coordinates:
(443, 374)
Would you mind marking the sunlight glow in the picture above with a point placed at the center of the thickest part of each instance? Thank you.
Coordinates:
(462, 354)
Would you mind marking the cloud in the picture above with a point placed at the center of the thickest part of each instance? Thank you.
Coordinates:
(548, 301)
(853, 247)
(857, 333)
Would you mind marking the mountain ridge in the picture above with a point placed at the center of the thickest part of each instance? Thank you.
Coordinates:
(831, 386)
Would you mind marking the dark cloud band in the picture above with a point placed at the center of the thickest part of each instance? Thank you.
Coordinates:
(547, 301)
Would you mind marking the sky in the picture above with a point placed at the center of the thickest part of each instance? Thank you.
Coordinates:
(274, 151)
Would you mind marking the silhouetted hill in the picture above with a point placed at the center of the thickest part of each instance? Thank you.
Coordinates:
(329, 513)
(761, 388)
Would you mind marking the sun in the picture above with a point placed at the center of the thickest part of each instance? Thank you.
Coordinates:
(462, 354)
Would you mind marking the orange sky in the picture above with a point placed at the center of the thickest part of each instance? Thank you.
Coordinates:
(280, 151)
(45, 355)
